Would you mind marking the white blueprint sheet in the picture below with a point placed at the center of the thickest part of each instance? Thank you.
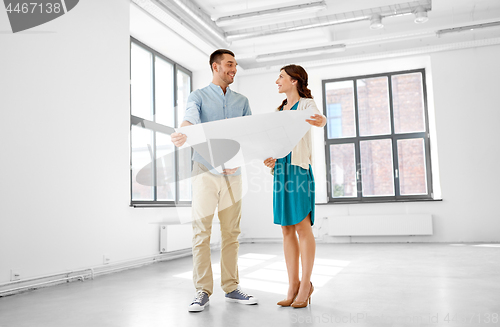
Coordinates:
(260, 136)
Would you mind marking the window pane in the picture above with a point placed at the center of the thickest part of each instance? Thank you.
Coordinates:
(183, 90)
(373, 106)
(343, 170)
(408, 103)
(412, 172)
(376, 167)
(141, 83)
(340, 109)
(165, 167)
(141, 157)
(164, 92)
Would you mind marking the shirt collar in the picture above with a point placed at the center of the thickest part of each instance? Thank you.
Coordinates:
(218, 89)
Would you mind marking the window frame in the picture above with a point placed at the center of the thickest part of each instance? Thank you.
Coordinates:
(425, 135)
(156, 127)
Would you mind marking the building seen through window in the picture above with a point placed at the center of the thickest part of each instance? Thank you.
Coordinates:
(377, 140)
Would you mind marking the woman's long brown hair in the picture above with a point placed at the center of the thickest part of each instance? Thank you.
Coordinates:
(297, 73)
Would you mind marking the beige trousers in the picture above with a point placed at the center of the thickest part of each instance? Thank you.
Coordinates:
(211, 191)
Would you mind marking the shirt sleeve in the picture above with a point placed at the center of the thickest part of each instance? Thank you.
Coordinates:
(193, 109)
(312, 104)
(246, 109)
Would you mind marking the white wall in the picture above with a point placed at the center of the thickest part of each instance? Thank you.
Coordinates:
(64, 101)
(463, 103)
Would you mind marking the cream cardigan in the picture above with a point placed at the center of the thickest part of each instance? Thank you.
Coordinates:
(302, 152)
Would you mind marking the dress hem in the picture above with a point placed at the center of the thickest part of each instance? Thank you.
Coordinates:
(312, 223)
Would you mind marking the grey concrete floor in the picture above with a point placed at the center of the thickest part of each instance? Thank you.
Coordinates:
(356, 285)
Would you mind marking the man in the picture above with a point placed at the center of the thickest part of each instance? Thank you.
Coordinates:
(211, 189)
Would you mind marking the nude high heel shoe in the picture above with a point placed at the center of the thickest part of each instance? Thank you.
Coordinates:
(287, 302)
(304, 304)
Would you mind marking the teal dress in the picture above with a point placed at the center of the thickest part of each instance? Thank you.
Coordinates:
(293, 191)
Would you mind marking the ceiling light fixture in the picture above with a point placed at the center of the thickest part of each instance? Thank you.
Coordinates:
(193, 18)
(406, 8)
(306, 7)
(466, 28)
(420, 15)
(376, 22)
(300, 52)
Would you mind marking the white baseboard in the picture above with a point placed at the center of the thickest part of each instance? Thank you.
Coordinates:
(249, 240)
(24, 285)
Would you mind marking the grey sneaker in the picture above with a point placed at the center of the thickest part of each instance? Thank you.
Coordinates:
(199, 303)
(240, 297)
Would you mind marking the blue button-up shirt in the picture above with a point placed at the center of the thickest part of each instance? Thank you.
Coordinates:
(209, 104)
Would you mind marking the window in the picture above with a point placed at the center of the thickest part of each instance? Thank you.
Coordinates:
(158, 94)
(377, 139)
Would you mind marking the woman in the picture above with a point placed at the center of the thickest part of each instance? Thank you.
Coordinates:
(294, 190)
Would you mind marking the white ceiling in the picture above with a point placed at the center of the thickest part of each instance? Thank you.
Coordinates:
(399, 35)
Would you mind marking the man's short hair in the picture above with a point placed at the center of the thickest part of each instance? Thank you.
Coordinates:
(217, 55)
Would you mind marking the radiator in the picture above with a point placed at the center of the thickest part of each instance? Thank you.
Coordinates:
(380, 225)
(175, 237)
